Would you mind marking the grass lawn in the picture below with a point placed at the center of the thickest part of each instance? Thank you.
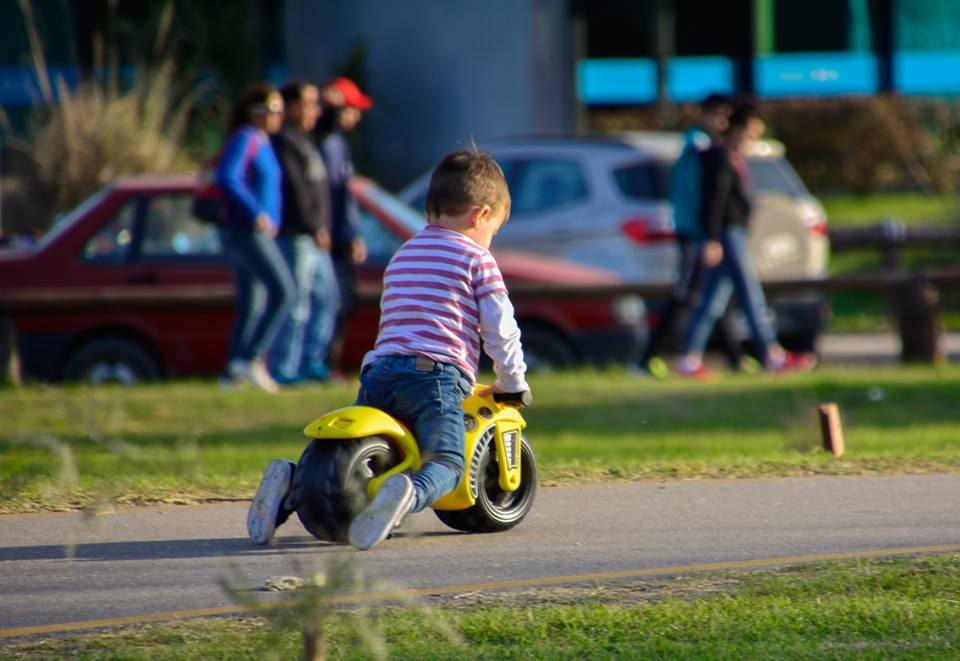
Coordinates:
(912, 207)
(73, 447)
(903, 608)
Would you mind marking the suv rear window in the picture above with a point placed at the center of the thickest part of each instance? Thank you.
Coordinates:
(775, 176)
(643, 181)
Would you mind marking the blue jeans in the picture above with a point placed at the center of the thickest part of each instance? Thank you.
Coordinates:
(324, 307)
(735, 272)
(286, 352)
(265, 291)
(431, 401)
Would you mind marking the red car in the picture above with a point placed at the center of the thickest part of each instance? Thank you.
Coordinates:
(129, 286)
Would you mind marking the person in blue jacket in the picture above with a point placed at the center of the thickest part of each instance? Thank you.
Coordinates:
(249, 176)
(684, 191)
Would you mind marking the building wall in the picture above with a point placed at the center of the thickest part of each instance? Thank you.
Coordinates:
(440, 72)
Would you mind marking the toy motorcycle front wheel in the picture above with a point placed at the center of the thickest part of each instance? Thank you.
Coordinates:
(497, 509)
(330, 482)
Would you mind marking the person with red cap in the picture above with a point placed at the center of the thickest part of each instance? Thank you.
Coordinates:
(343, 106)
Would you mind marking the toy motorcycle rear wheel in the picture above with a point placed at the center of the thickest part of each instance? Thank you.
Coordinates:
(497, 509)
(330, 483)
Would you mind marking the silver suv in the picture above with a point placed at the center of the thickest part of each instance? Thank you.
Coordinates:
(602, 200)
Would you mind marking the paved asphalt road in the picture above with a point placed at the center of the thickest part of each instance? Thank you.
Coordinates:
(62, 568)
(873, 348)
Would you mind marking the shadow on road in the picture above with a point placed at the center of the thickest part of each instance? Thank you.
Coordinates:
(178, 549)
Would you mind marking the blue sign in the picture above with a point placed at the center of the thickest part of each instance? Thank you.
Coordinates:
(617, 81)
(927, 72)
(815, 74)
(693, 78)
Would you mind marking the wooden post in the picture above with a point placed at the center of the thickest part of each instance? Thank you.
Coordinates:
(830, 429)
(921, 332)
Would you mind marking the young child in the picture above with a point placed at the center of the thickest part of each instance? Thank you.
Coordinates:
(443, 298)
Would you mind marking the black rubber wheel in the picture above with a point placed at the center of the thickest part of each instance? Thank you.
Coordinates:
(496, 509)
(330, 483)
(110, 360)
(545, 350)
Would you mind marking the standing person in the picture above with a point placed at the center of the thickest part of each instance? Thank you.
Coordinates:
(725, 206)
(343, 107)
(684, 189)
(443, 302)
(304, 238)
(249, 175)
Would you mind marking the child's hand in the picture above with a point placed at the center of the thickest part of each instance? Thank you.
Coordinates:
(517, 399)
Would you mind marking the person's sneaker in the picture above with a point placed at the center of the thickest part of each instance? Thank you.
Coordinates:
(794, 362)
(260, 377)
(316, 371)
(264, 513)
(383, 514)
(693, 368)
(657, 368)
(750, 365)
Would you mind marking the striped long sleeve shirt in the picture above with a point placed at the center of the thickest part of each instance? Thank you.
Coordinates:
(444, 298)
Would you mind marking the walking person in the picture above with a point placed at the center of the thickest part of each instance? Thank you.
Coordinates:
(249, 176)
(725, 206)
(684, 190)
(304, 237)
(343, 107)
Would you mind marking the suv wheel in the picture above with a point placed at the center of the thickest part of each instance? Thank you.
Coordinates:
(545, 350)
(110, 360)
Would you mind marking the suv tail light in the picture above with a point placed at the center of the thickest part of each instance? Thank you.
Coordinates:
(818, 226)
(645, 231)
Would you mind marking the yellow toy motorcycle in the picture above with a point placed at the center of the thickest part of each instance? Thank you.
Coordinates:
(354, 449)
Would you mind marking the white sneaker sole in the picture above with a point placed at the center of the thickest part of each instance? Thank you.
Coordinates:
(384, 513)
(274, 486)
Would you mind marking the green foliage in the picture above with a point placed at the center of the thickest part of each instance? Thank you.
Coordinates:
(107, 126)
(843, 145)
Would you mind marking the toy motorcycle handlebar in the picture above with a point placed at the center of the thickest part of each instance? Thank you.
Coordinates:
(515, 399)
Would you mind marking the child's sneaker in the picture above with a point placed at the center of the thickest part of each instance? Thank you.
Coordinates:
(265, 510)
(384, 513)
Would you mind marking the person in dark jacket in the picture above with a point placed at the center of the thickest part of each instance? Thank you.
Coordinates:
(684, 190)
(725, 207)
(343, 107)
(249, 176)
(304, 238)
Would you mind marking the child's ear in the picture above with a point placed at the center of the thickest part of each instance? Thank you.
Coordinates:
(479, 214)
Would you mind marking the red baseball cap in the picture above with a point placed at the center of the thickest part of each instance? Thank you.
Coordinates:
(344, 92)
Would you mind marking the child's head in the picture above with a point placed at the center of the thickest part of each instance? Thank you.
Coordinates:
(466, 179)
(468, 187)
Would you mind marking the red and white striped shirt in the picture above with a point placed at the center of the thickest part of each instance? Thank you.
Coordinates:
(444, 298)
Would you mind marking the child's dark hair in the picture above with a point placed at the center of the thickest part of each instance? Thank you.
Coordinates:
(465, 179)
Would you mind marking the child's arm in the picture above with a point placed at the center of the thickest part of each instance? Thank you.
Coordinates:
(499, 331)
(501, 341)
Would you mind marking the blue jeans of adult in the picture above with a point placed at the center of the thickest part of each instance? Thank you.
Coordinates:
(321, 322)
(265, 291)
(286, 352)
(735, 272)
(429, 396)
